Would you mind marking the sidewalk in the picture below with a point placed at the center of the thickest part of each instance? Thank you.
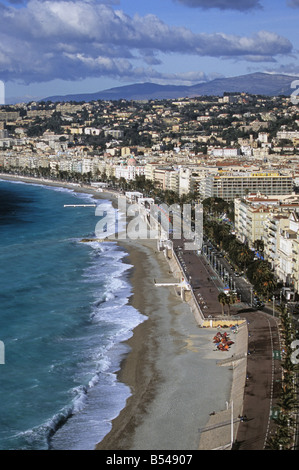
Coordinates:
(258, 393)
(263, 370)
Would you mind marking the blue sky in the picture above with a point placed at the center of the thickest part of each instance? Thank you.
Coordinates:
(75, 46)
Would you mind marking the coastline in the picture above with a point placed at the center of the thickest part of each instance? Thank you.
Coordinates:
(167, 405)
(172, 370)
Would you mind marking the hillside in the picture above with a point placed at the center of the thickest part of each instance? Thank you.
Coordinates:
(256, 84)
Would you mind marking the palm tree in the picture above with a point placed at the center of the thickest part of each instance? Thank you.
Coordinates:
(222, 300)
(231, 299)
(244, 257)
(259, 245)
(268, 285)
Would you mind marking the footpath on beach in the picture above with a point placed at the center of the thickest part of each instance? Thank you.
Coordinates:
(223, 424)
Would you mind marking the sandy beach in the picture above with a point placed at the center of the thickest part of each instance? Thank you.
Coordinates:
(172, 369)
(177, 386)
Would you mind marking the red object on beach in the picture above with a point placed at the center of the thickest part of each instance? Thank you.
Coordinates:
(222, 341)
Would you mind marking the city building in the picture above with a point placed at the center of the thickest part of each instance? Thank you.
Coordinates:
(229, 186)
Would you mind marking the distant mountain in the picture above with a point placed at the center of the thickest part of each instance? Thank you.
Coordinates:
(254, 83)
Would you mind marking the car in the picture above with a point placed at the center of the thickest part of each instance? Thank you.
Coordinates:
(258, 305)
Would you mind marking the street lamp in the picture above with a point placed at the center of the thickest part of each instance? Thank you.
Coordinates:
(231, 421)
(232, 425)
(273, 298)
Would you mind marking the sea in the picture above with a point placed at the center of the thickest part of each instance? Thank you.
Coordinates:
(65, 317)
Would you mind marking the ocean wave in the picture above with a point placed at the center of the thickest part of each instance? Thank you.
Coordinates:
(40, 436)
(91, 341)
(106, 277)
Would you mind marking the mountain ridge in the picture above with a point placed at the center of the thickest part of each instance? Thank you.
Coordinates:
(255, 83)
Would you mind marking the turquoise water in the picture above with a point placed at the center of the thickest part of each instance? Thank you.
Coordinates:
(64, 314)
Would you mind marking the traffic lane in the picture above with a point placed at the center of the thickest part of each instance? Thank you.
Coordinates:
(261, 374)
(205, 283)
(242, 287)
(259, 391)
(240, 284)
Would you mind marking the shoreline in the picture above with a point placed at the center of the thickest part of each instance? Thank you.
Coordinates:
(164, 356)
(149, 421)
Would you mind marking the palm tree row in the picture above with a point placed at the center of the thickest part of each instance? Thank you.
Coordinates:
(258, 272)
(283, 439)
(261, 276)
(227, 299)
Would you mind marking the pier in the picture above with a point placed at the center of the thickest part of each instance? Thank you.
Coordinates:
(80, 205)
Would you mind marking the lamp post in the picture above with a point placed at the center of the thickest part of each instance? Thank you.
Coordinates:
(273, 298)
(232, 425)
(231, 421)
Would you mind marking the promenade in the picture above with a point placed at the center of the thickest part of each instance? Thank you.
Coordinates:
(263, 371)
(262, 383)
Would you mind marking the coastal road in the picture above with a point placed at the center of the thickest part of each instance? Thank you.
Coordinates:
(262, 383)
(263, 360)
(205, 283)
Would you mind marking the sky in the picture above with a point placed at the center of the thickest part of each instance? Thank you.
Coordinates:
(82, 46)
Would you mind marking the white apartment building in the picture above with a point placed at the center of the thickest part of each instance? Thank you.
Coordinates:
(294, 226)
(92, 131)
(252, 214)
(273, 226)
(250, 221)
(184, 180)
(282, 247)
(275, 220)
(229, 186)
(128, 172)
(172, 180)
(284, 269)
(263, 137)
(290, 135)
(226, 152)
(149, 171)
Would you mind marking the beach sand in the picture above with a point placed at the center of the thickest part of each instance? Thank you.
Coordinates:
(171, 368)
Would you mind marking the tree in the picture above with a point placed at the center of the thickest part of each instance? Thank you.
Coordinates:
(222, 297)
(231, 299)
(244, 257)
(259, 245)
(263, 279)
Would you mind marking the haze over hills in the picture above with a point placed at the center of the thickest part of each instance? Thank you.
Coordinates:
(255, 83)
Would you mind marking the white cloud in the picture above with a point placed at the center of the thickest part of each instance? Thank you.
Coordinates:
(77, 39)
(240, 5)
(286, 69)
(293, 3)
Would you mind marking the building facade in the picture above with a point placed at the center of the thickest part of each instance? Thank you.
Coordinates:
(231, 186)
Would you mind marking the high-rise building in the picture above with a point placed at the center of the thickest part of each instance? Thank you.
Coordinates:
(229, 186)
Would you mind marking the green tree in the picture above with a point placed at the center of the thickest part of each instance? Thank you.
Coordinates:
(222, 298)
(244, 257)
(231, 299)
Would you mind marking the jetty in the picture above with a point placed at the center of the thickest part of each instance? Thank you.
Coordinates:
(80, 205)
(98, 240)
